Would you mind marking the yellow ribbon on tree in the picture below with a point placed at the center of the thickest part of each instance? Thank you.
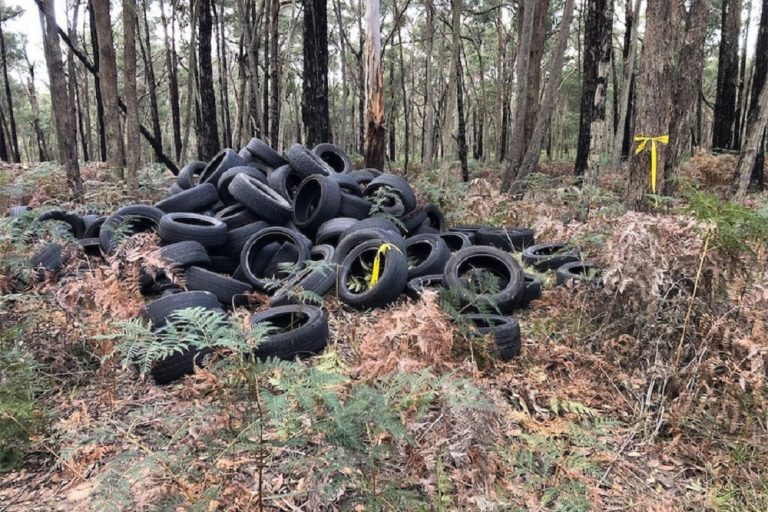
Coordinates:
(663, 139)
(377, 261)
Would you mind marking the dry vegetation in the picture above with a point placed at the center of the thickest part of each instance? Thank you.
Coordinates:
(645, 394)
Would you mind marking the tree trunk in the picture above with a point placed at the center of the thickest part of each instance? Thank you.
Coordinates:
(406, 107)
(533, 151)
(758, 84)
(97, 86)
(632, 24)
(65, 130)
(314, 105)
(594, 86)
(392, 114)
(267, 70)
(133, 141)
(171, 66)
(343, 128)
(108, 83)
(221, 43)
(687, 81)
(653, 111)
(149, 76)
(274, 73)
(462, 124)
(9, 98)
(743, 92)
(72, 70)
(517, 149)
(627, 90)
(42, 146)
(727, 75)
(756, 125)
(207, 129)
(375, 144)
(429, 114)
(536, 55)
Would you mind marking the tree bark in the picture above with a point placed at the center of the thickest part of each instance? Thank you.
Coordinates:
(653, 110)
(594, 86)
(102, 131)
(743, 92)
(149, 76)
(65, 130)
(429, 109)
(314, 105)
(627, 89)
(533, 151)
(449, 111)
(207, 129)
(171, 66)
(11, 117)
(72, 71)
(406, 107)
(687, 79)
(133, 140)
(462, 134)
(756, 126)
(727, 75)
(108, 83)
(42, 146)
(535, 57)
(632, 18)
(274, 73)
(758, 84)
(375, 143)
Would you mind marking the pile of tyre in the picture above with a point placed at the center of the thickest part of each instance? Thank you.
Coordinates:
(305, 224)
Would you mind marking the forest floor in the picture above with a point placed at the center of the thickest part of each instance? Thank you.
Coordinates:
(646, 394)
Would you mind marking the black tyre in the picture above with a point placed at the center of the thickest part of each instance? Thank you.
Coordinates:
(236, 238)
(330, 231)
(469, 229)
(72, 220)
(354, 284)
(354, 206)
(355, 238)
(236, 216)
(93, 225)
(317, 200)
(531, 290)
(299, 331)
(398, 186)
(372, 223)
(586, 272)
(135, 218)
(264, 153)
(334, 157)
(222, 187)
(413, 221)
(285, 181)
(189, 175)
(505, 331)
(226, 289)
(427, 254)
(185, 254)
(497, 265)
(550, 256)
(195, 199)
(508, 239)
(362, 177)
(435, 217)
(253, 262)
(91, 247)
(181, 226)
(318, 281)
(455, 240)
(48, 260)
(221, 163)
(173, 190)
(347, 184)
(177, 365)
(261, 200)
(306, 163)
(417, 285)
(158, 311)
(222, 264)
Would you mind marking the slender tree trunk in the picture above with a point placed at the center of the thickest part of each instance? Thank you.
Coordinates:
(653, 111)
(756, 126)
(375, 145)
(274, 73)
(759, 80)
(171, 66)
(42, 146)
(743, 92)
(687, 81)
(65, 130)
(9, 98)
(429, 114)
(71, 67)
(102, 131)
(524, 49)
(406, 108)
(449, 111)
(149, 76)
(221, 43)
(392, 114)
(133, 140)
(3, 143)
(344, 114)
(536, 55)
(314, 107)
(462, 134)
(627, 89)
(108, 82)
(632, 17)
(533, 152)
(594, 84)
(267, 68)
(208, 129)
(191, 79)
(727, 76)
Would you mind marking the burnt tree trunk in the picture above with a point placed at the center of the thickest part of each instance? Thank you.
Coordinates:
(207, 128)
(149, 76)
(11, 117)
(314, 104)
(133, 140)
(629, 51)
(758, 84)
(462, 133)
(66, 132)
(375, 132)
(97, 86)
(723, 131)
